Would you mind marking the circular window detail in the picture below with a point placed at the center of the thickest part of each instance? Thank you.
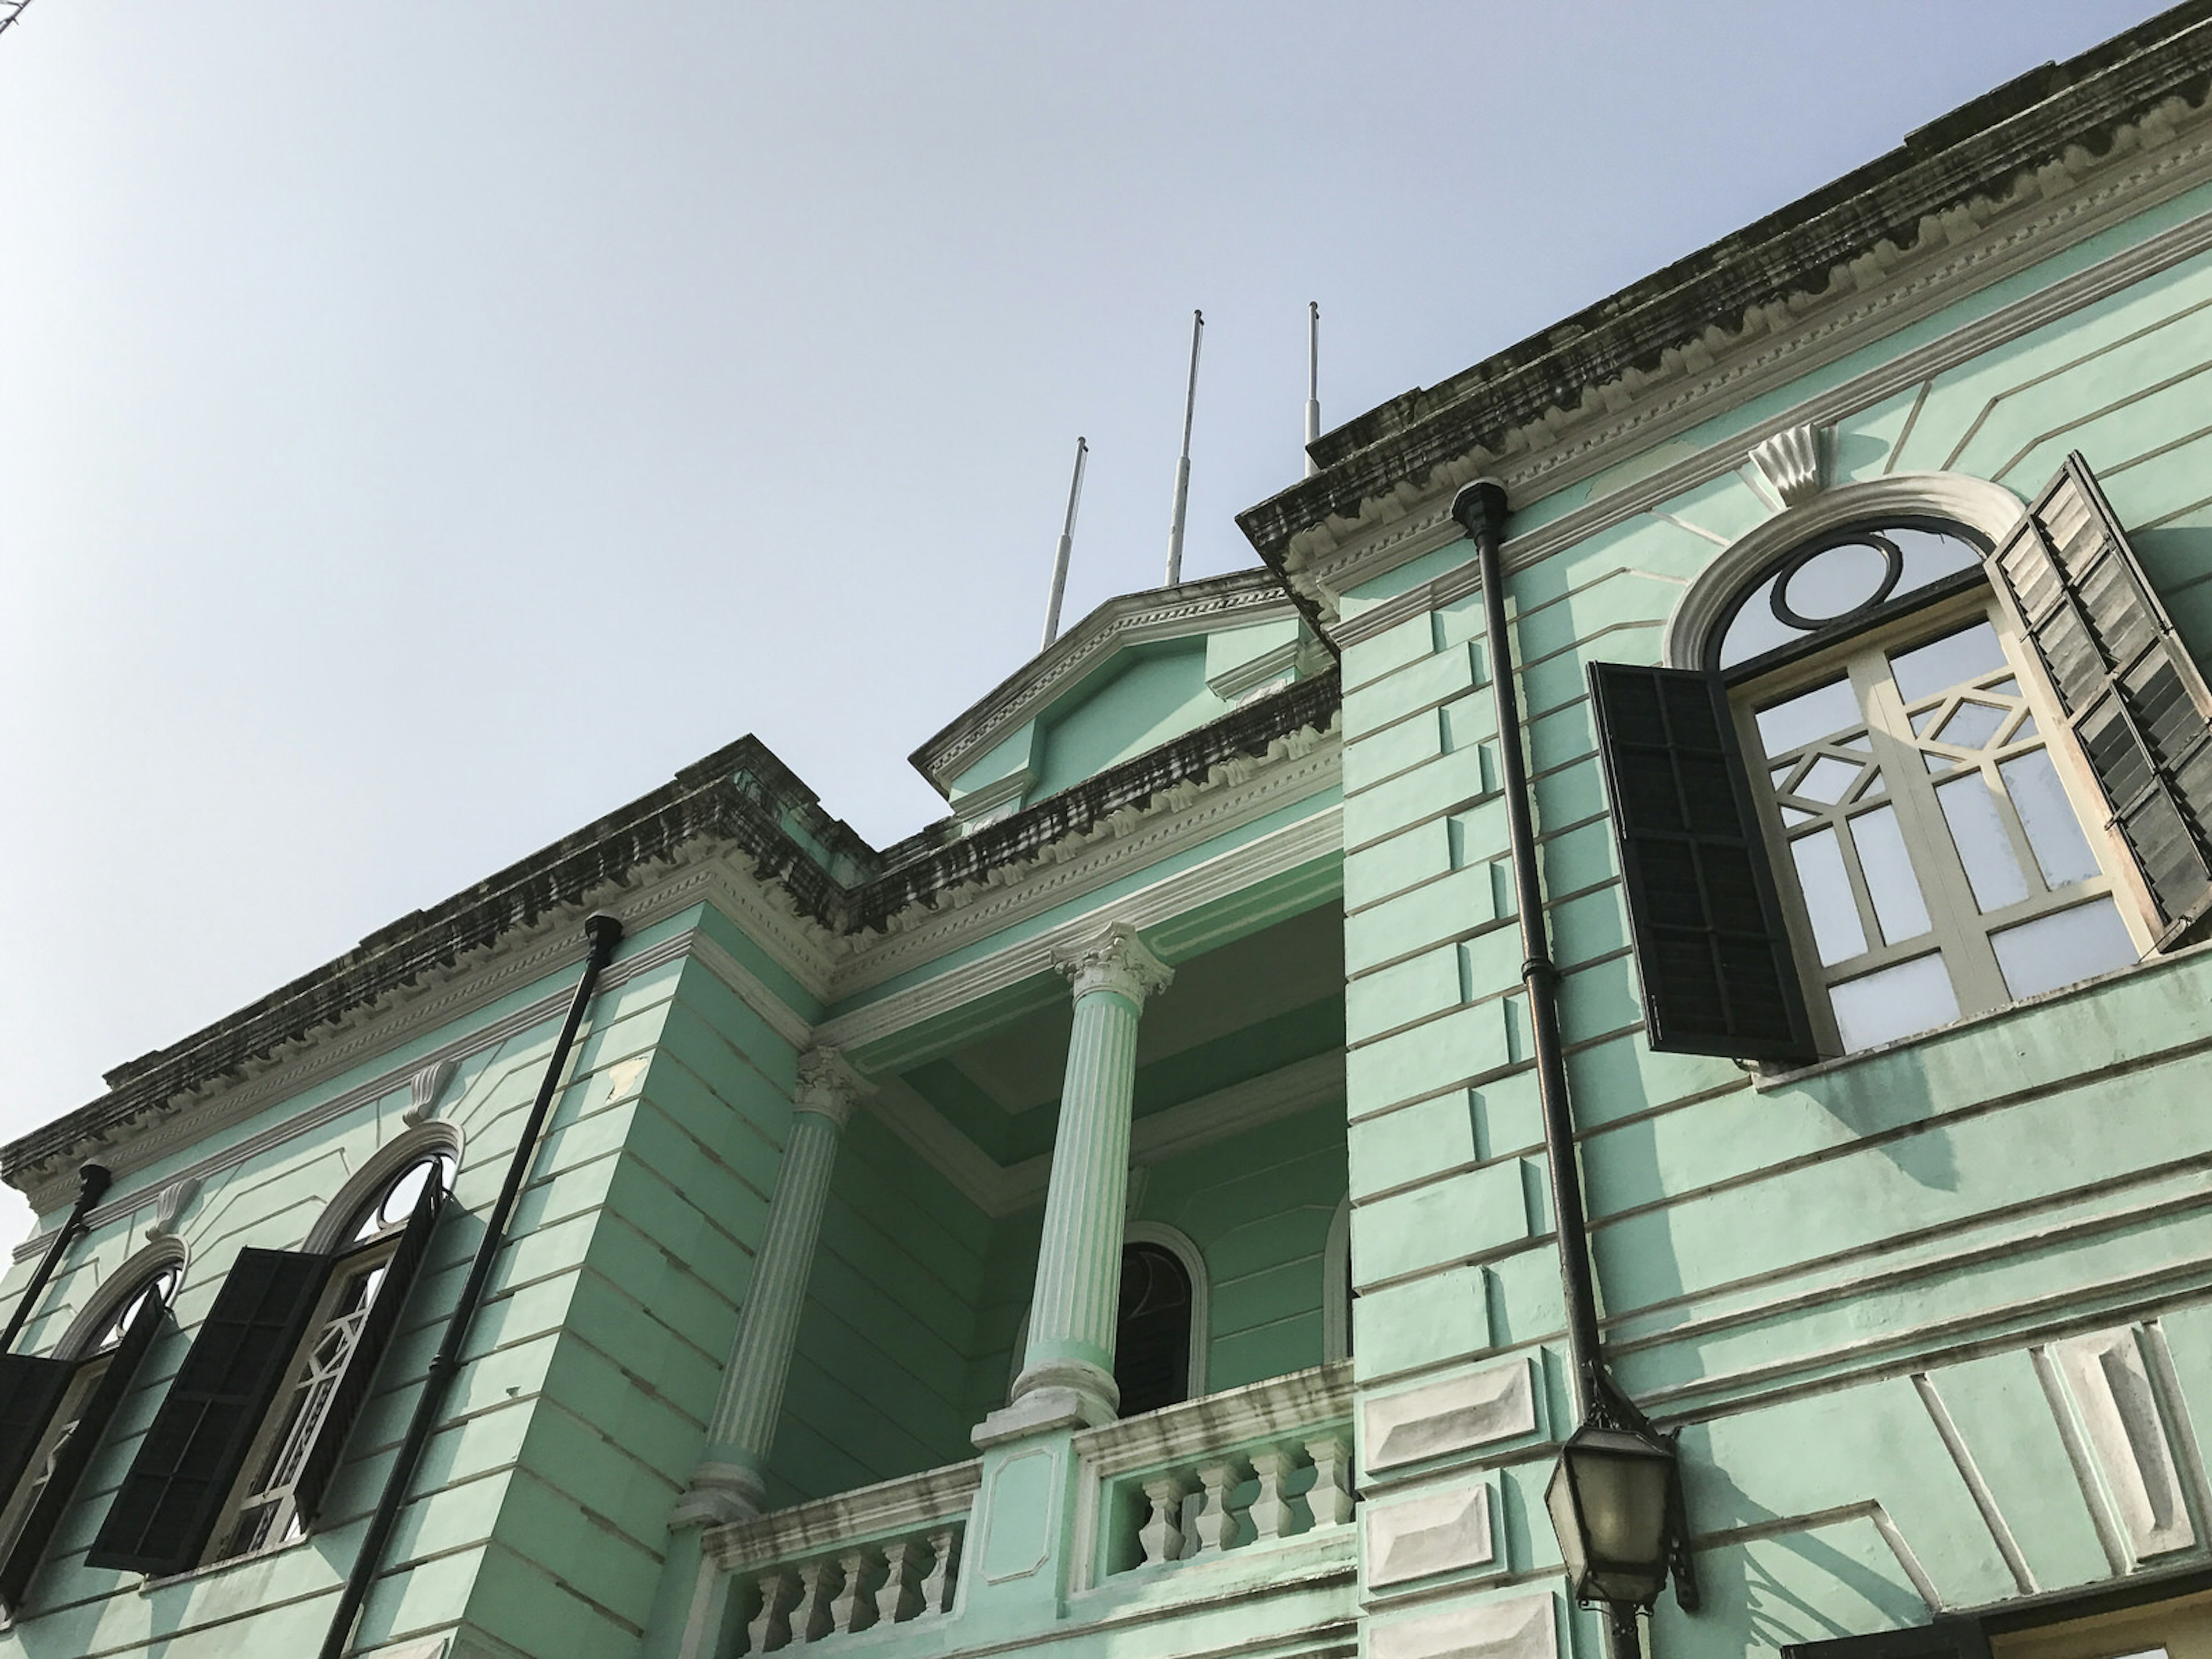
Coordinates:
(1838, 582)
(1827, 584)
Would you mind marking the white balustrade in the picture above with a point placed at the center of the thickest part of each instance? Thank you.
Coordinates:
(862, 1561)
(1254, 1467)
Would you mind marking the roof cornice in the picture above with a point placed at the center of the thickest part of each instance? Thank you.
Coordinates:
(2008, 179)
(1161, 613)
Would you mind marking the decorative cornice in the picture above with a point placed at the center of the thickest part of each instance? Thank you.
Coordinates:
(1246, 865)
(1433, 528)
(1988, 205)
(829, 1087)
(1195, 607)
(1112, 958)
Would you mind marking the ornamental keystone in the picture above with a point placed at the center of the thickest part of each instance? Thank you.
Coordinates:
(1113, 959)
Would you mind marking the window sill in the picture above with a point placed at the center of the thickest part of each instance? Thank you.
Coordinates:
(207, 1569)
(1764, 1079)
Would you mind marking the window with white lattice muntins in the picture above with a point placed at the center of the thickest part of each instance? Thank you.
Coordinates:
(1939, 856)
(266, 1511)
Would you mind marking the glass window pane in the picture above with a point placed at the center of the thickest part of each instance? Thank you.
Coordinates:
(1826, 779)
(1970, 807)
(1756, 629)
(1887, 867)
(2057, 950)
(1836, 581)
(2048, 816)
(1836, 930)
(1930, 555)
(1972, 726)
(1894, 1002)
(1943, 663)
(1795, 721)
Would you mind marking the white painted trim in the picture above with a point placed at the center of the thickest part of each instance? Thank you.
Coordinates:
(1180, 1245)
(1336, 1285)
(378, 1171)
(1975, 503)
(753, 990)
(1429, 526)
(168, 1251)
(1166, 613)
(1983, 241)
(1000, 1189)
(1241, 866)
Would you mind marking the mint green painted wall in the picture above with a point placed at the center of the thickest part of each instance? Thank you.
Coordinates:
(1794, 1272)
(1153, 694)
(878, 1383)
(280, 1601)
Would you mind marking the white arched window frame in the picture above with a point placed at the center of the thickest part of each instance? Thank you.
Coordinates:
(360, 1229)
(1852, 877)
(1184, 1248)
(1336, 1285)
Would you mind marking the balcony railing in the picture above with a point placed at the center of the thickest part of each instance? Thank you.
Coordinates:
(863, 1560)
(1219, 1475)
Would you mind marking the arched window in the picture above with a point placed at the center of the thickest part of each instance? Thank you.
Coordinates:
(1153, 1339)
(275, 1503)
(257, 1420)
(58, 1409)
(1916, 769)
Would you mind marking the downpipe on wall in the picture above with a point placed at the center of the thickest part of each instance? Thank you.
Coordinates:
(1480, 509)
(93, 1183)
(603, 933)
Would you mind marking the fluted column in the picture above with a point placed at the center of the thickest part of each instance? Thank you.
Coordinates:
(1067, 1369)
(728, 1485)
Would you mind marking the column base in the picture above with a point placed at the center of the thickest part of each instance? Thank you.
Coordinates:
(1062, 1395)
(720, 1494)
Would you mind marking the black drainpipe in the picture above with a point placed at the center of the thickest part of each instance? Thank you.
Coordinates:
(1480, 509)
(604, 933)
(92, 1181)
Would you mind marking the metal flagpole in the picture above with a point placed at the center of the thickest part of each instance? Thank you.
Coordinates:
(1182, 466)
(1313, 383)
(1066, 546)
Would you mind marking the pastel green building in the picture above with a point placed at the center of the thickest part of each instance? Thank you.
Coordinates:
(1665, 913)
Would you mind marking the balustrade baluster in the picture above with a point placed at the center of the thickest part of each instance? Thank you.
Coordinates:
(1162, 1534)
(1215, 1526)
(899, 1597)
(814, 1618)
(770, 1628)
(1271, 1512)
(852, 1610)
(1330, 1498)
(944, 1581)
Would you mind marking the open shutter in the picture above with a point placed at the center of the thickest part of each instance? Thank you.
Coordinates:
(1711, 946)
(30, 1390)
(70, 1458)
(351, 1393)
(176, 1487)
(2135, 700)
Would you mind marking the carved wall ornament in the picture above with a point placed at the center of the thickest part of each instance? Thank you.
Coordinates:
(1113, 959)
(1796, 462)
(829, 1086)
(168, 1209)
(424, 1090)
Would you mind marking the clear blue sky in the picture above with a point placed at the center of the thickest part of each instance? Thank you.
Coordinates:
(422, 429)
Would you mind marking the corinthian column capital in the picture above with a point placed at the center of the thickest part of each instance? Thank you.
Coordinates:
(1113, 959)
(829, 1087)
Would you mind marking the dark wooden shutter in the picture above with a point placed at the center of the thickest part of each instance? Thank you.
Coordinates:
(75, 1452)
(176, 1487)
(360, 1375)
(1960, 1637)
(1711, 946)
(2137, 703)
(30, 1390)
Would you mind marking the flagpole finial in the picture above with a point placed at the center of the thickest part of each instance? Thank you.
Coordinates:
(1182, 465)
(1313, 383)
(1066, 546)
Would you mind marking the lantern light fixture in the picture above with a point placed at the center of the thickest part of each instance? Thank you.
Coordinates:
(1615, 1500)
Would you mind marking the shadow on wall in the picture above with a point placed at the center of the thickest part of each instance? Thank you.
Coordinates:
(1887, 1103)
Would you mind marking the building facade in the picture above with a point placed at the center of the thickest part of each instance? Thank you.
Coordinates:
(1144, 1212)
